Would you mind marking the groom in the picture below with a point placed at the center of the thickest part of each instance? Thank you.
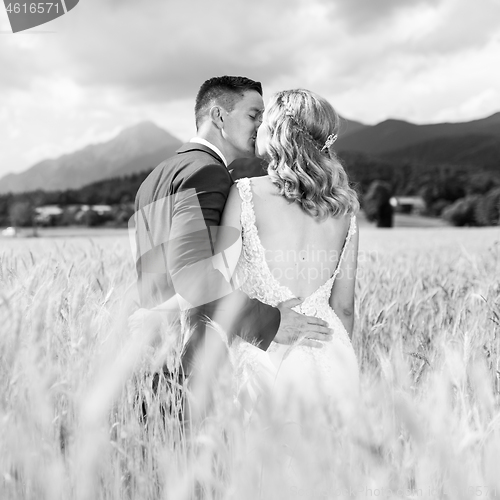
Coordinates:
(179, 207)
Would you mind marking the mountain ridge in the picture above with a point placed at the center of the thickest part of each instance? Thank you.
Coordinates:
(139, 147)
(392, 134)
(144, 145)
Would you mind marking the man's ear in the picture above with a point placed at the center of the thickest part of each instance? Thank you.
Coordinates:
(217, 116)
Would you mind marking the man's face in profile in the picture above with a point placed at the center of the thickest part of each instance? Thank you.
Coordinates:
(241, 124)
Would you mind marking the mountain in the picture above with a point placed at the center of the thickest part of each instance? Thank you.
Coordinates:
(478, 150)
(144, 146)
(399, 136)
(134, 149)
(348, 127)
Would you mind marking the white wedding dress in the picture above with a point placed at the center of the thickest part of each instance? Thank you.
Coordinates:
(319, 375)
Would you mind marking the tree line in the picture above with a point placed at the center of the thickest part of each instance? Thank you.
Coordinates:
(462, 194)
(18, 209)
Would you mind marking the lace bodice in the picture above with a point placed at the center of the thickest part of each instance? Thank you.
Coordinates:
(257, 281)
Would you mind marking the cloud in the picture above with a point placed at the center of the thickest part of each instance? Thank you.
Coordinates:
(156, 51)
(113, 63)
(461, 25)
(367, 14)
(18, 62)
(456, 87)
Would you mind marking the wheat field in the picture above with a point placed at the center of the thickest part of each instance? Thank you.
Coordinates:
(72, 379)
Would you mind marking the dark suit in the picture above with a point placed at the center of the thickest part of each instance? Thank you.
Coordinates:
(247, 167)
(177, 207)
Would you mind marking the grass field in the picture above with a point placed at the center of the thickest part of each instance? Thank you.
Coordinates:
(427, 425)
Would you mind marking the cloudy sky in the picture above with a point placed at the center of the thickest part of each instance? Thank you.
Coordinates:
(109, 64)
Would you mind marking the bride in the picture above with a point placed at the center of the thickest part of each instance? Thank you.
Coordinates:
(299, 241)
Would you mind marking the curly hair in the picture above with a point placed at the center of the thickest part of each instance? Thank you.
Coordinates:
(300, 126)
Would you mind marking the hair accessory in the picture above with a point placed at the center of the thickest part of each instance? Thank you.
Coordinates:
(299, 125)
(329, 141)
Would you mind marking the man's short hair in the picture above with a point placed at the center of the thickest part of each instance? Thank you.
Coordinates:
(224, 91)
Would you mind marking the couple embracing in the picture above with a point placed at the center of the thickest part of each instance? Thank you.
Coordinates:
(265, 267)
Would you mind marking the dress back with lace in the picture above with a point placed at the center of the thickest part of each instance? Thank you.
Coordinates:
(257, 281)
(325, 378)
(329, 372)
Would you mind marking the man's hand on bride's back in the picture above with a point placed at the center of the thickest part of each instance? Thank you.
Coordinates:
(294, 325)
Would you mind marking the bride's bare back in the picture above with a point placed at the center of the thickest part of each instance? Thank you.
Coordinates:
(301, 252)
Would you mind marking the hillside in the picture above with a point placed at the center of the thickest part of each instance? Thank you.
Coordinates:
(135, 149)
(476, 150)
(348, 127)
(396, 135)
(397, 151)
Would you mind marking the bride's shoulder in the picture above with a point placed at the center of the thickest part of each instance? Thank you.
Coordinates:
(262, 184)
(259, 181)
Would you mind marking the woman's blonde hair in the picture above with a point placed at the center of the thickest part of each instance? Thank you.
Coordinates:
(302, 126)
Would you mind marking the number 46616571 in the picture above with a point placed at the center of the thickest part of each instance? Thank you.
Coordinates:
(482, 491)
(32, 8)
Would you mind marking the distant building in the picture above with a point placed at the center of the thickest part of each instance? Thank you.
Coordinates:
(98, 209)
(9, 232)
(47, 214)
(92, 215)
(101, 209)
(408, 204)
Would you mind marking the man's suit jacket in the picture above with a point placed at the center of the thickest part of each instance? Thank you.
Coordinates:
(177, 208)
(247, 167)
